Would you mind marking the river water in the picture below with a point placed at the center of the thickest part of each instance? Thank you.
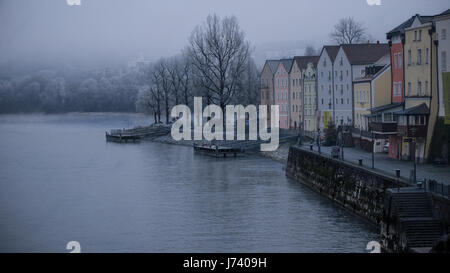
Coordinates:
(60, 181)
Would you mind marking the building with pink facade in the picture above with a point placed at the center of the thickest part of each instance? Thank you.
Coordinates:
(282, 84)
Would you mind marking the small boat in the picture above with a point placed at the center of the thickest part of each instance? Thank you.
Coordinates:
(217, 151)
(119, 138)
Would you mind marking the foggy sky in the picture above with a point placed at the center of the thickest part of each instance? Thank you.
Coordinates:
(46, 31)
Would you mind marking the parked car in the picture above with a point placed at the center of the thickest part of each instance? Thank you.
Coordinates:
(386, 147)
(335, 151)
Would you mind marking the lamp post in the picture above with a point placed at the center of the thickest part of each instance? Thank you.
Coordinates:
(318, 139)
(373, 150)
(415, 164)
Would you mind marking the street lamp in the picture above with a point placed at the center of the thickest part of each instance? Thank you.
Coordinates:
(373, 149)
(318, 139)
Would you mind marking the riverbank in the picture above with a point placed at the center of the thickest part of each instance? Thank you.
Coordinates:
(280, 155)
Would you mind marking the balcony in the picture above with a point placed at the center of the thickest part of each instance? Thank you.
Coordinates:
(412, 130)
(384, 127)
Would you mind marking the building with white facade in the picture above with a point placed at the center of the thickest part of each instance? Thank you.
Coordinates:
(442, 22)
(325, 85)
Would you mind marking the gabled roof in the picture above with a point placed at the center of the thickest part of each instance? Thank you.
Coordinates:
(287, 63)
(445, 12)
(273, 65)
(406, 24)
(332, 51)
(302, 61)
(386, 107)
(359, 54)
(442, 15)
(421, 109)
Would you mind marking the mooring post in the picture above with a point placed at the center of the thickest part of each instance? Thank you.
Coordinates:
(397, 174)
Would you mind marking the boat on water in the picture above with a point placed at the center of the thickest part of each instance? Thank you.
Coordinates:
(120, 138)
(217, 151)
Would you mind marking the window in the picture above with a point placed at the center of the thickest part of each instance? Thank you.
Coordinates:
(443, 34)
(417, 120)
(322, 101)
(342, 101)
(395, 89)
(395, 61)
(415, 35)
(409, 57)
(420, 35)
(342, 62)
(419, 88)
(426, 56)
(409, 89)
(419, 56)
(426, 88)
(444, 61)
(400, 60)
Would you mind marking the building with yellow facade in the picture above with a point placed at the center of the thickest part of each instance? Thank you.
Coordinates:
(416, 122)
(369, 92)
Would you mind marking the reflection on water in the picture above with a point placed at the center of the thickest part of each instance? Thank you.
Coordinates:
(60, 181)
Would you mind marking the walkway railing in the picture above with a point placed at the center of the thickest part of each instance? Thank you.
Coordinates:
(437, 188)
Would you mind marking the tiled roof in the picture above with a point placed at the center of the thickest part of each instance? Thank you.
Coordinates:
(273, 65)
(365, 53)
(386, 107)
(400, 28)
(445, 12)
(332, 51)
(421, 109)
(302, 61)
(287, 63)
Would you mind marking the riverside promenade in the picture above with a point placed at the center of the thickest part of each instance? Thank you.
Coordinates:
(387, 165)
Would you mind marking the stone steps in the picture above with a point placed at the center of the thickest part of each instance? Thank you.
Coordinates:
(414, 210)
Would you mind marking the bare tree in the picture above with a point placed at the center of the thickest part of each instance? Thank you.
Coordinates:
(310, 51)
(348, 31)
(184, 77)
(162, 84)
(145, 102)
(249, 89)
(218, 53)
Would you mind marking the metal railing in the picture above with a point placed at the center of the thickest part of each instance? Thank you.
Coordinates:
(435, 187)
